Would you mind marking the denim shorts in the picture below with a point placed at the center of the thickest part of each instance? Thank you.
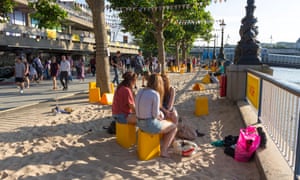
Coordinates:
(120, 118)
(150, 125)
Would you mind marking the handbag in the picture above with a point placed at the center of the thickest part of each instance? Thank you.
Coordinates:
(185, 131)
(247, 144)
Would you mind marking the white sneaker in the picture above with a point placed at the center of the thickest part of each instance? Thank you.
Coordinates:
(21, 91)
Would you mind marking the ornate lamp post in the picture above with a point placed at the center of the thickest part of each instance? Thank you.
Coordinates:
(221, 54)
(214, 50)
(247, 52)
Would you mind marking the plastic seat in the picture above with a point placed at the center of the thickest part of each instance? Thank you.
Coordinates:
(201, 105)
(126, 134)
(148, 145)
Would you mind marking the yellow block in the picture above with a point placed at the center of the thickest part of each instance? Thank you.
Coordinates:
(201, 105)
(107, 99)
(198, 87)
(213, 69)
(92, 85)
(112, 87)
(148, 145)
(173, 69)
(125, 134)
(206, 79)
(181, 70)
(94, 95)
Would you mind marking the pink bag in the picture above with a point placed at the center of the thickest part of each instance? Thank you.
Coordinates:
(247, 144)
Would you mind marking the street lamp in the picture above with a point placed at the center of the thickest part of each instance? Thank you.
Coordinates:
(214, 51)
(221, 54)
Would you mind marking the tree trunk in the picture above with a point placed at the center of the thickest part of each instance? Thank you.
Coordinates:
(161, 50)
(159, 35)
(102, 60)
(184, 53)
(177, 53)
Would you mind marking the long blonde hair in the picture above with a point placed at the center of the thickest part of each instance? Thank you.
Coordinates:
(156, 83)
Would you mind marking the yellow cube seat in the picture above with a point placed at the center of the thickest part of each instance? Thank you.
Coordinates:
(148, 145)
(126, 134)
(107, 99)
(94, 95)
(201, 105)
(92, 85)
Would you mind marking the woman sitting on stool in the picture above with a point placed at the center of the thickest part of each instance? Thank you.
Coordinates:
(123, 107)
(149, 117)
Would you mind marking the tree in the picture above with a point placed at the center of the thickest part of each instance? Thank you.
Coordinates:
(6, 7)
(140, 14)
(102, 61)
(47, 13)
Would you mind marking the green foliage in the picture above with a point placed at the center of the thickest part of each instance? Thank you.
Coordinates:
(48, 13)
(141, 22)
(6, 7)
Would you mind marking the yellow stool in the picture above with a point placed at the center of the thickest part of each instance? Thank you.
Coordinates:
(198, 87)
(206, 79)
(107, 99)
(112, 87)
(148, 145)
(94, 95)
(125, 134)
(92, 85)
(201, 105)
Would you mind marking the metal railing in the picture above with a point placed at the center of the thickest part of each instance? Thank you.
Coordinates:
(279, 113)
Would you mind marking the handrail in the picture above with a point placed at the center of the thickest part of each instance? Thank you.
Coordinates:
(290, 87)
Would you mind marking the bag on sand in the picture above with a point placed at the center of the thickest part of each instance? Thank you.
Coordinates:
(186, 131)
(247, 144)
(112, 128)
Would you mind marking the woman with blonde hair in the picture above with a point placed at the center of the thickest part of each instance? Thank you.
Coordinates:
(149, 117)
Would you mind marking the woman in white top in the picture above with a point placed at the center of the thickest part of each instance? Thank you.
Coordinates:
(149, 117)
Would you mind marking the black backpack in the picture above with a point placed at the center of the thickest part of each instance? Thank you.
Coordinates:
(112, 128)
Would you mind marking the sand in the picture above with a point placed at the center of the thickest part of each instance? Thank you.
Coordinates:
(75, 146)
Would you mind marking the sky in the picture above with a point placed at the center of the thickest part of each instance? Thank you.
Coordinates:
(275, 18)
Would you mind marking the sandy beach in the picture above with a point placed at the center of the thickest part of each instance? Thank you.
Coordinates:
(75, 146)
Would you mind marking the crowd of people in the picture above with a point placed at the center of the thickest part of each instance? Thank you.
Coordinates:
(32, 69)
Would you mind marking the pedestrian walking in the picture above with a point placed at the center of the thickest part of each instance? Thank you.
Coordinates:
(65, 69)
(116, 64)
(54, 69)
(20, 71)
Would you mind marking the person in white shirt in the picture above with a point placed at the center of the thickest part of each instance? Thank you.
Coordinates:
(65, 69)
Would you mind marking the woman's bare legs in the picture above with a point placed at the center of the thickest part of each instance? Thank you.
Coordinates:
(169, 130)
(54, 82)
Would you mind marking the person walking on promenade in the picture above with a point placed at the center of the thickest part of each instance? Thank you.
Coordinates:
(115, 62)
(123, 107)
(71, 61)
(26, 77)
(54, 69)
(128, 62)
(149, 117)
(93, 65)
(80, 70)
(20, 71)
(37, 63)
(65, 69)
(139, 65)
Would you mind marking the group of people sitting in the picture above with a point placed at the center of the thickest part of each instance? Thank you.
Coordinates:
(151, 109)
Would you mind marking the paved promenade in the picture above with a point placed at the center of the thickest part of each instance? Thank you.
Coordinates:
(10, 97)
